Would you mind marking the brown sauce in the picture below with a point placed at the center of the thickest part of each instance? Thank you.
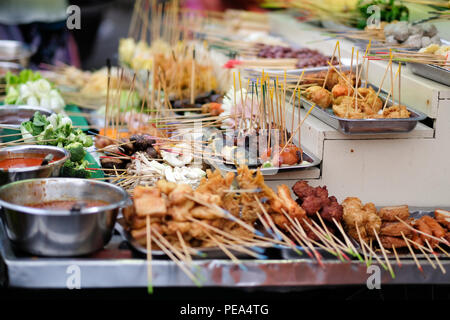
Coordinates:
(67, 204)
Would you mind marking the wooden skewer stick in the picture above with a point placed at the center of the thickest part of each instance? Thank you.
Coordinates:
(224, 249)
(325, 240)
(361, 241)
(443, 251)
(274, 227)
(309, 242)
(185, 248)
(344, 247)
(383, 251)
(330, 63)
(347, 240)
(412, 253)
(399, 263)
(174, 259)
(149, 256)
(436, 257)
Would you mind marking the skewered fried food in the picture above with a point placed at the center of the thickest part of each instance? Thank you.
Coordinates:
(394, 229)
(320, 96)
(423, 226)
(363, 217)
(316, 200)
(392, 213)
(389, 242)
(148, 201)
(443, 217)
(435, 227)
(396, 111)
(341, 90)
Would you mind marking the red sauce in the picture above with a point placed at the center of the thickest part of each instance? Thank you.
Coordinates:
(20, 162)
(67, 204)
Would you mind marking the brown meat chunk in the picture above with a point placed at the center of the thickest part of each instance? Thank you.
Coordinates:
(312, 204)
(443, 217)
(391, 213)
(302, 189)
(435, 227)
(389, 242)
(394, 229)
(332, 211)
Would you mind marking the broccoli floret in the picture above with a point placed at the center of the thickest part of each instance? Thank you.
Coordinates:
(77, 151)
(75, 170)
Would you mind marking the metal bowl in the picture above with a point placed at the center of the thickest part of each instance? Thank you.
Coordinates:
(60, 232)
(12, 116)
(17, 51)
(29, 151)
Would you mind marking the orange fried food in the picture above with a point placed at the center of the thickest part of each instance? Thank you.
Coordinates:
(394, 229)
(435, 227)
(320, 96)
(363, 218)
(396, 111)
(341, 90)
(388, 242)
(443, 217)
(422, 226)
(394, 212)
(148, 201)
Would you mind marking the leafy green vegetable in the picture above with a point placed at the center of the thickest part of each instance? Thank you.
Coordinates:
(23, 77)
(77, 151)
(57, 130)
(75, 169)
(12, 94)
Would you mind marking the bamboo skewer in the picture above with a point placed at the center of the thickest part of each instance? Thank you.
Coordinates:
(149, 255)
(412, 253)
(383, 251)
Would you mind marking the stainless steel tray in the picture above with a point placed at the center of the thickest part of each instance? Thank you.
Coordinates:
(429, 71)
(307, 156)
(203, 253)
(366, 126)
(345, 62)
(116, 267)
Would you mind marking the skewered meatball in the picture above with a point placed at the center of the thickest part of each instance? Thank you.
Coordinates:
(302, 189)
(312, 204)
(332, 211)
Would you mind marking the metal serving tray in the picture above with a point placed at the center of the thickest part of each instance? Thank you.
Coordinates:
(116, 267)
(345, 62)
(366, 126)
(204, 253)
(307, 156)
(429, 71)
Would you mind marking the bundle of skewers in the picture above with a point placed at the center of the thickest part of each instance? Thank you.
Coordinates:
(183, 67)
(237, 214)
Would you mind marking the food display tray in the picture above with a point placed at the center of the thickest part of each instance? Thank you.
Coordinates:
(366, 126)
(345, 63)
(204, 253)
(429, 71)
(116, 266)
(307, 156)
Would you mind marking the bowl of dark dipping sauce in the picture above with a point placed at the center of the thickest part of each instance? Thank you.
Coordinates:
(26, 162)
(61, 216)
